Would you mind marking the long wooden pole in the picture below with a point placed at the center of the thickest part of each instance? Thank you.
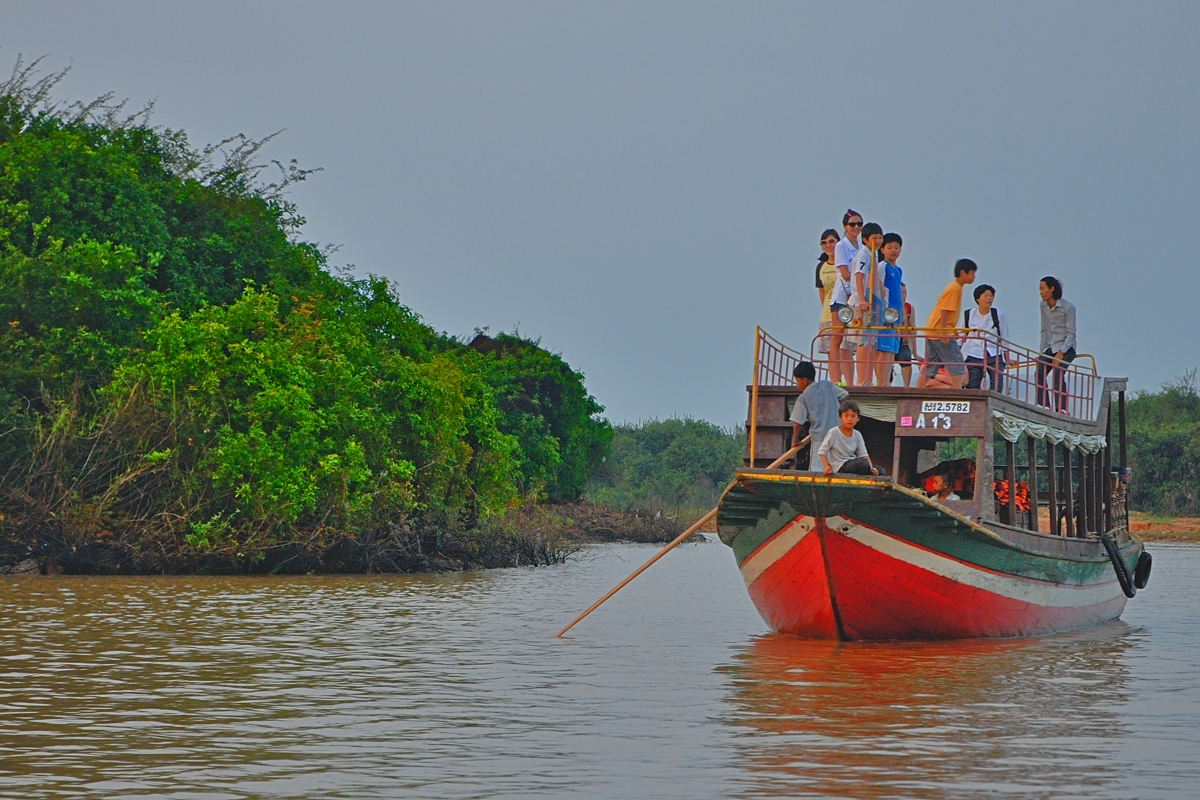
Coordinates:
(678, 540)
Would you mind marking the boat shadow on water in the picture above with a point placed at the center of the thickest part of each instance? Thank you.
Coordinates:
(1025, 717)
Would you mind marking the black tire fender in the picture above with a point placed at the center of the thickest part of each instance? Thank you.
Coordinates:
(1141, 573)
(1114, 555)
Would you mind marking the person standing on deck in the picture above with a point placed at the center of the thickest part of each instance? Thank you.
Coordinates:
(826, 280)
(887, 346)
(944, 351)
(867, 294)
(817, 405)
(1057, 344)
(841, 364)
(983, 348)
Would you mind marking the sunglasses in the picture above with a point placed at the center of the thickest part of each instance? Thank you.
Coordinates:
(854, 224)
(829, 241)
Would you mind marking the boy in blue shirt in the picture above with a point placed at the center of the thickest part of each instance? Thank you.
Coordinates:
(893, 298)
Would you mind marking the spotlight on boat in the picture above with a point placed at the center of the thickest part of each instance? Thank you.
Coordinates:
(845, 315)
(891, 316)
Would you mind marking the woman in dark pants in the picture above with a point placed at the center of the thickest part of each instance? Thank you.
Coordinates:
(1057, 344)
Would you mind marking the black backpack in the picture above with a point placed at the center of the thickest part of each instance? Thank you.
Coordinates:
(995, 319)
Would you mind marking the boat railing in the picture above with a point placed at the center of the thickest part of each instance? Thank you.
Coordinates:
(1028, 376)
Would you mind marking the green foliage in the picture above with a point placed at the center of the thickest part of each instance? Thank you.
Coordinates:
(176, 367)
(544, 404)
(1164, 448)
(668, 465)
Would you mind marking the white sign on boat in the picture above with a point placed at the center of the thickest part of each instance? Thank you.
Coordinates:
(945, 406)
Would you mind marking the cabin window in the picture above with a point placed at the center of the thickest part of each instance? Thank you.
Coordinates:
(923, 457)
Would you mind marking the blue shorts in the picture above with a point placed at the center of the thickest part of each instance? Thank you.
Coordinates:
(884, 342)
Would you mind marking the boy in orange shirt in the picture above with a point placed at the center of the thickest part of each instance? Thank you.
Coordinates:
(944, 351)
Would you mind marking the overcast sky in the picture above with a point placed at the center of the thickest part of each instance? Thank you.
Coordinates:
(641, 184)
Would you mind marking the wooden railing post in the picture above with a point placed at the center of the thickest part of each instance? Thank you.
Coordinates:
(1051, 486)
(1068, 489)
(1033, 483)
(754, 395)
(1010, 472)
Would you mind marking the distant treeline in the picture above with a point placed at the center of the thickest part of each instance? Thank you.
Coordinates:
(184, 385)
(672, 466)
(1164, 448)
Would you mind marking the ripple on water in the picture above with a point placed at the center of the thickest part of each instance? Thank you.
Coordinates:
(452, 686)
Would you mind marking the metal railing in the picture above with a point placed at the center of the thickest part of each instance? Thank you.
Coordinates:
(1027, 375)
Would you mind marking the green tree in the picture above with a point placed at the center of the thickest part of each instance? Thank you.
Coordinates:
(668, 464)
(544, 404)
(176, 366)
(1164, 448)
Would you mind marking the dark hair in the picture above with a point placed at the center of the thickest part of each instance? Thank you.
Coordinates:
(888, 238)
(848, 405)
(870, 229)
(964, 265)
(823, 258)
(805, 369)
(850, 212)
(981, 288)
(1055, 286)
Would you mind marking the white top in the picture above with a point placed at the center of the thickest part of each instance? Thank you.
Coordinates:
(838, 449)
(843, 253)
(973, 347)
(861, 265)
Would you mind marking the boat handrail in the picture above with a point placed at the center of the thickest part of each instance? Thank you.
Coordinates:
(774, 362)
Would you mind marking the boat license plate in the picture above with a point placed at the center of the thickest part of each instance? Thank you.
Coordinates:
(945, 407)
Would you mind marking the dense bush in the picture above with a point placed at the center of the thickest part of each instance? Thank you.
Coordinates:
(184, 385)
(673, 465)
(1164, 448)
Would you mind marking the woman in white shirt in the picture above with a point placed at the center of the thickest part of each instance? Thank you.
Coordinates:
(841, 363)
(984, 351)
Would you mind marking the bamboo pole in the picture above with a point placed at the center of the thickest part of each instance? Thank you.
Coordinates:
(678, 540)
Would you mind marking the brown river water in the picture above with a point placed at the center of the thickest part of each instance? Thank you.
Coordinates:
(454, 687)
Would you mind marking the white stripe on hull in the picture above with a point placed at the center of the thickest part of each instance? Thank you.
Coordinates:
(776, 548)
(1027, 590)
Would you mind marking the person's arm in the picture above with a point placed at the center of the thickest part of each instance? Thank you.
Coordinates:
(859, 281)
(945, 320)
(824, 451)
(1044, 340)
(1070, 323)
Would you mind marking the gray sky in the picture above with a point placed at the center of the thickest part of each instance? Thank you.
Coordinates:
(641, 184)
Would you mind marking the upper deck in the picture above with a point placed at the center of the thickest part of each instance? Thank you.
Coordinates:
(913, 432)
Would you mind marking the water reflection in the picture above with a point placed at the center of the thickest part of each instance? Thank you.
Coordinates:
(930, 719)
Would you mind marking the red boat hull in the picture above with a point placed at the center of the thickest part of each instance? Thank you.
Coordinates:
(836, 578)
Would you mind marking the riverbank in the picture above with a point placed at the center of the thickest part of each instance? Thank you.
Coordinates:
(1154, 528)
(532, 535)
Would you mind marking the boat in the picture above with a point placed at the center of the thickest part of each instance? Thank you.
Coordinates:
(1038, 543)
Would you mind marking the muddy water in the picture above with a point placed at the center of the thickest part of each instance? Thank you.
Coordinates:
(453, 687)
